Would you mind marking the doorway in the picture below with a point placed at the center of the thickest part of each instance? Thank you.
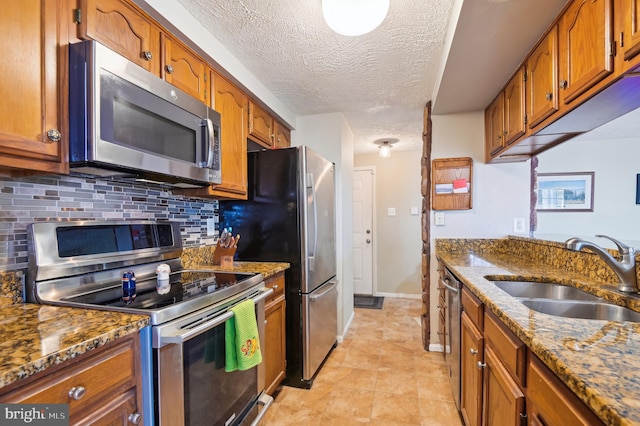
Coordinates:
(364, 276)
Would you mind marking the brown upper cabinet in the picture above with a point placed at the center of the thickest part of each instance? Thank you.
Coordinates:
(514, 107)
(494, 126)
(574, 79)
(586, 46)
(185, 70)
(542, 77)
(283, 136)
(33, 132)
(122, 28)
(628, 14)
(261, 124)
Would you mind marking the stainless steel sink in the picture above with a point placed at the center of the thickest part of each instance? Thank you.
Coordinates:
(582, 309)
(536, 290)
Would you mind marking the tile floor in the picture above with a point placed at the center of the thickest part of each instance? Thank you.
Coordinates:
(380, 375)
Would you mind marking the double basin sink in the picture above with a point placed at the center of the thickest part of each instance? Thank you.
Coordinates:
(565, 301)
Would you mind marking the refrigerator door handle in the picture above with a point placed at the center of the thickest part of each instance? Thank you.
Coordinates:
(314, 297)
(312, 245)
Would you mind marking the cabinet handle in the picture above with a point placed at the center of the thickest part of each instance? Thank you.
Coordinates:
(441, 332)
(481, 365)
(549, 96)
(473, 351)
(169, 69)
(54, 135)
(77, 392)
(134, 418)
(499, 137)
(564, 84)
(275, 287)
(147, 55)
(439, 306)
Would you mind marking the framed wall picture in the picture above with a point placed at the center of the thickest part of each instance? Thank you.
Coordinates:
(565, 192)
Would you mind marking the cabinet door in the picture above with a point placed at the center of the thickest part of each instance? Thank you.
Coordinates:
(586, 55)
(33, 133)
(503, 399)
(123, 29)
(121, 410)
(628, 13)
(551, 403)
(283, 136)
(260, 125)
(231, 103)
(542, 80)
(185, 70)
(494, 126)
(472, 349)
(275, 344)
(514, 107)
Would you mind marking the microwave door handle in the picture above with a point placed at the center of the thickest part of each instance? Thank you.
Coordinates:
(209, 137)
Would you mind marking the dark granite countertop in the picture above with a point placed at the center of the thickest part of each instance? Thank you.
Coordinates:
(36, 337)
(267, 269)
(596, 359)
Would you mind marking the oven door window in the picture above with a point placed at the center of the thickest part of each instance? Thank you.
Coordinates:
(135, 118)
(211, 395)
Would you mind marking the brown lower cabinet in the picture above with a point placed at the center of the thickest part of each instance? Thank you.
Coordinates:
(102, 387)
(503, 383)
(275, 354)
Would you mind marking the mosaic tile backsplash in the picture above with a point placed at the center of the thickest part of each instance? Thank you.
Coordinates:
(30, 199)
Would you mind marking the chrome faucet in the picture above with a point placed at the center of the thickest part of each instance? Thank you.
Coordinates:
(625, 268)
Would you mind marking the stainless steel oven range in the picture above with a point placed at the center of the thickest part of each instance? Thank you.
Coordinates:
(82, 264)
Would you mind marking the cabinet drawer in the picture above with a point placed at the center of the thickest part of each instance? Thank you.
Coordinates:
(276, 283)
(473, 307)
(509, 348)
(550, 402)
(97, 378)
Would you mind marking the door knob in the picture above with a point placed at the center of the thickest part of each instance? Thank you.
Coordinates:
(368, 241)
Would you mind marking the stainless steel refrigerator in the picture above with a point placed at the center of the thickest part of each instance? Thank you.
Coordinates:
(290, 217)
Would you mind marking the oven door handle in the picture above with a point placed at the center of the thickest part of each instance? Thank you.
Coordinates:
(182, 337)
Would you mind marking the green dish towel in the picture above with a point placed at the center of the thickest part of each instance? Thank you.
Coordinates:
(242, 342)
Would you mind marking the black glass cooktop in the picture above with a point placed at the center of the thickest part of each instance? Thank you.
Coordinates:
(184, 286)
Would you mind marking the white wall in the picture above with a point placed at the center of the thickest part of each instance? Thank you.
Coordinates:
(398, 241)
(500, 191)
(330, 136)
(615, 212)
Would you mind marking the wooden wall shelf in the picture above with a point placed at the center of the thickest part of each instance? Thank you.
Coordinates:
(452, 183)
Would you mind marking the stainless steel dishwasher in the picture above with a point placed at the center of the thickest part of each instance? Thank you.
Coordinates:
(452, 348)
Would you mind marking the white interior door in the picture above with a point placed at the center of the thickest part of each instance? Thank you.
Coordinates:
(363, 231)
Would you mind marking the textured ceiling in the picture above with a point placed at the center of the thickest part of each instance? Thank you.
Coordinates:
(381, 80)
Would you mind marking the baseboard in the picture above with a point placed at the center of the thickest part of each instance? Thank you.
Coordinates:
(435, 347)
(399, 295)
(346, 327)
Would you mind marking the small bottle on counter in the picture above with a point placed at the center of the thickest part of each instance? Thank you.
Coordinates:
(163, 286)
(128, 287)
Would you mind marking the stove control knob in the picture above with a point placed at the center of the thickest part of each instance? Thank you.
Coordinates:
(76, 392)
(134, 418)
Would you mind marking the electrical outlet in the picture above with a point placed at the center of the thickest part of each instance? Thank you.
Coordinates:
(439, 218)
(519, 225)
(391, 211)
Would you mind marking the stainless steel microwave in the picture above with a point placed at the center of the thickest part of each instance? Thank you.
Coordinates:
(126, 122)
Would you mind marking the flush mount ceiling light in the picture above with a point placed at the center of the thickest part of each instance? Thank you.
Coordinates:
(384, 146)
(354, 17)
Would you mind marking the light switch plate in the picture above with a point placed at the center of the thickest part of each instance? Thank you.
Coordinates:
(519, 225)
(415, 211)
(391, 211)
(439, 218)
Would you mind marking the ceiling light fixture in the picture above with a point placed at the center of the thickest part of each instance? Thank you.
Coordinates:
(354, 17)
(385, 146)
